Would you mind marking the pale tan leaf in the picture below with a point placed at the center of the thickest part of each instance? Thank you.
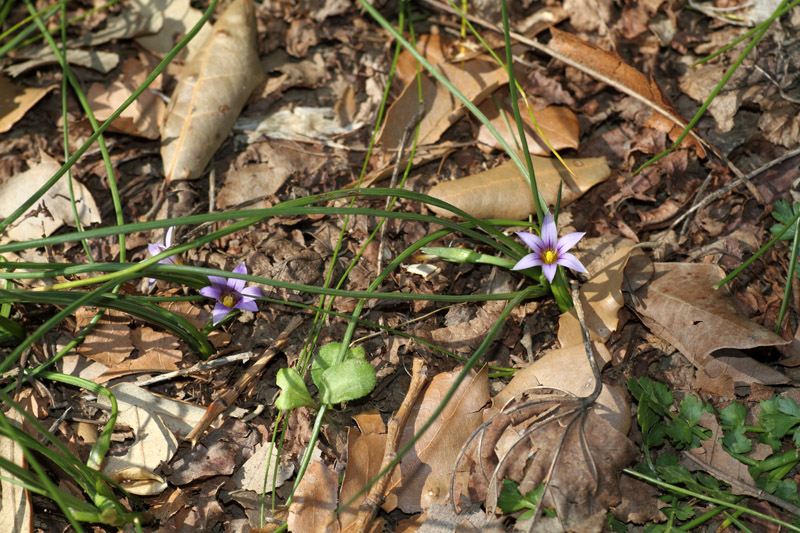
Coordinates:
(143, 117)
(17, 100)
(251, 474)
(502, 192)
(57, 206)
(602, 296)
(179, 17)
(315, 501)
(365, 449)
(97, 60)
(681, 306)
(559, 125)
(139, 481)
(422, 479)
(210, 94)
(16, 513)
(155, 421)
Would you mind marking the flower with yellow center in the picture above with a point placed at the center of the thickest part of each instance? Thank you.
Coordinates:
(231, 294)
(549, 251)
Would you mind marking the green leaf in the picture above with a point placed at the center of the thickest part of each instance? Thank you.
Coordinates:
(680, 433)
(692, 409)
(293, 390)
(326, 358)
(736, 440)
(733, 415)
(510, 499)
(778, 417)
(347, 381)
(784, 213)
(11, 331)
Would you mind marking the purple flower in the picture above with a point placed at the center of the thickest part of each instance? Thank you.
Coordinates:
(231, 294)
(157, 248)
(548, 252)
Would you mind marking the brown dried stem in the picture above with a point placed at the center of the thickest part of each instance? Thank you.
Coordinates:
(394, 430)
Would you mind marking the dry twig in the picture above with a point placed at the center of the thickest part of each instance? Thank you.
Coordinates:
(394, 430)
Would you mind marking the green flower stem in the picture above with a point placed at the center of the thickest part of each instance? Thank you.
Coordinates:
(704, 497)
(530, 292)
(758, 254)
(560, 291)
(703, 518)
(445, 82)
(789, 277)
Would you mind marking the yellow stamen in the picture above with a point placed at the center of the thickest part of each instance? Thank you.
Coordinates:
(228, 300)
(549, 257)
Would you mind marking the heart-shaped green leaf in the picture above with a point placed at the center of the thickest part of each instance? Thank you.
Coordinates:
(346, 381)
(327, 357)
(293, 390)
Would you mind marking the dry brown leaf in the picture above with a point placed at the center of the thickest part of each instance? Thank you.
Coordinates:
(422, 478)
(52, 211)
(315, 501)
(158, 353)
(98, 60)
(640, 503)
(502, 192)
(602, 297)
(548, 436)
(16, 513)
(210, 94)
(613, 68)
(365, 449)
(109, 342)
(142, 118)
(476, 79)
(17, 100)
(681, 306)
(559, 125)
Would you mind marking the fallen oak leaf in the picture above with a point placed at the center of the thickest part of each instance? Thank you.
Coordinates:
(681, 306)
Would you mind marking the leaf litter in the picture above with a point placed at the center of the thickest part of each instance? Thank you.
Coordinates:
(576, 452)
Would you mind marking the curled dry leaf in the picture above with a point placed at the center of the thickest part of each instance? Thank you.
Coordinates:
(139, 481)
(611, 68)
(422, 478)
(551, 437)
(476, 79)
(681, 306)
(559, 125)
(602, 297)
(315, 501)
(210, 94)
(52, 211)
(502, 192)
(155, 420)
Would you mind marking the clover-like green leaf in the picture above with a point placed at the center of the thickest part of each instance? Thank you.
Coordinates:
(346, 381)
(293, 390)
